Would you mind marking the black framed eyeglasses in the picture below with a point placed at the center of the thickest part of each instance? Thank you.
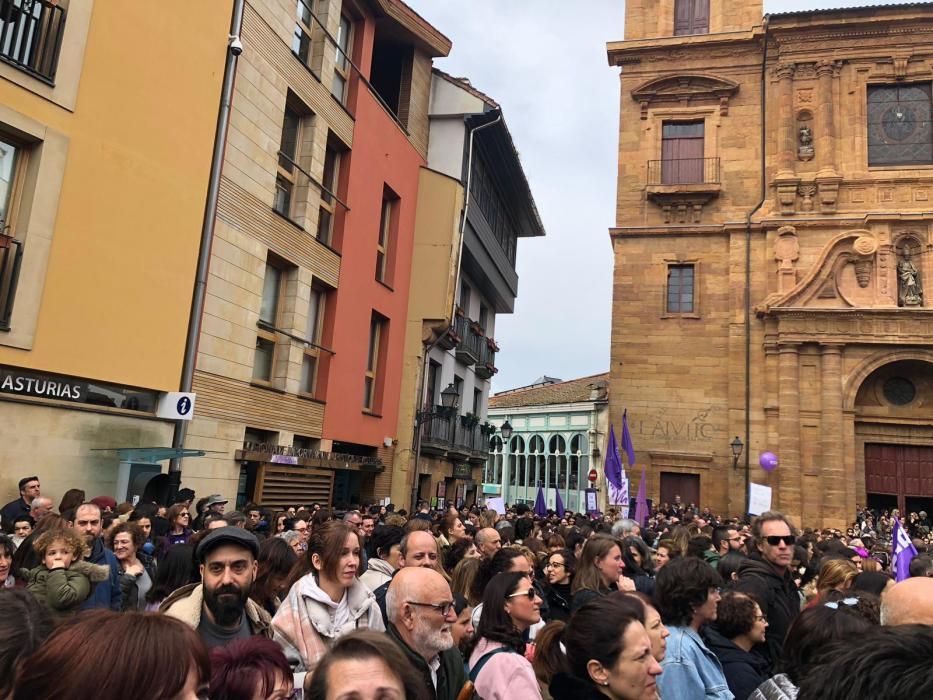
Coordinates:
(555, 564)
(530, 594)
(443, 608)
(775, 540)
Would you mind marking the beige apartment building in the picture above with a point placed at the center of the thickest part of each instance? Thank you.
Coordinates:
(774, 254)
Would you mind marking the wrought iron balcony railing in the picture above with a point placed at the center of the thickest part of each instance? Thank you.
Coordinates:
(31, 36)
(684, 171)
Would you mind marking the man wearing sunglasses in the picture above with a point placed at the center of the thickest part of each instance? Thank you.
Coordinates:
(421, 613)
(766, 576)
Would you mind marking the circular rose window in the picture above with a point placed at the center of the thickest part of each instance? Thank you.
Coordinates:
(899, 391)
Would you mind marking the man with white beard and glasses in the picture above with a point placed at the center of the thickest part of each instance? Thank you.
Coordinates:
(219, 608)
(421, 612)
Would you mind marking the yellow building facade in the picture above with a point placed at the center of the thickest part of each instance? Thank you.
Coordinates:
(772, 242)
(107, 117)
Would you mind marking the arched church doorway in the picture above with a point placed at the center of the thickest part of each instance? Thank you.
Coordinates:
(894, 430)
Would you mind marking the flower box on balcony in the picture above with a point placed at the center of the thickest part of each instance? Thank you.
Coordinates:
(477, 329)
(492, 345)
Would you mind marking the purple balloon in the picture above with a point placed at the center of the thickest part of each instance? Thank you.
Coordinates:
(768, 461)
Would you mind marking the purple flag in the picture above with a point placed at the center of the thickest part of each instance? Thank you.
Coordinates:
(627, 441)
(641, 501)
(904, 551)
(540, 505)
(615, 476)
(613, 466)
(560, 505)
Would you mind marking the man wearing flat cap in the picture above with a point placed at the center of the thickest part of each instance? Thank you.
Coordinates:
(219, 608)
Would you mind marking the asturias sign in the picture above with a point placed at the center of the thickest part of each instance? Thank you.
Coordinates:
(22, 383)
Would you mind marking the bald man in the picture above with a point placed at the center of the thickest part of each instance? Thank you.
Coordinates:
(908, 602)
(421, 612)
(488, 542)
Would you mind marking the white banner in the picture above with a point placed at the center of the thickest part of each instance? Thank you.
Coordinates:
(619, 496)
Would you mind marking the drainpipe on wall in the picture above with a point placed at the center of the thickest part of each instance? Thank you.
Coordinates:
(748, 267)
(234, 49)
(428, 347)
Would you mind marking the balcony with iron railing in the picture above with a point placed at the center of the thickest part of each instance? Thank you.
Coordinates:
(471, 339)
(486, 364)
(31, 34)
(683, 172)
(455, 437)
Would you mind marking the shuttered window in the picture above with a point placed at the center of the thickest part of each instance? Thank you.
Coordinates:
(691, 17)
(682, 147)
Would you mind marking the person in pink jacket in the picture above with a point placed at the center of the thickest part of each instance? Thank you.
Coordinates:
(498, 667)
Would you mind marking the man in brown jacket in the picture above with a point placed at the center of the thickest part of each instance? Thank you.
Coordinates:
(219, 608)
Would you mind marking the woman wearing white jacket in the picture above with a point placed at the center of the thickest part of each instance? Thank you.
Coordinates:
(327, 601)
(384, 549)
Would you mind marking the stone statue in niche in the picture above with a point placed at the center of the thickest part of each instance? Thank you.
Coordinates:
(910, 293)
(805, 142)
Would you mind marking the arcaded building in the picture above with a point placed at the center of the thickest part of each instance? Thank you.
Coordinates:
(772, 247)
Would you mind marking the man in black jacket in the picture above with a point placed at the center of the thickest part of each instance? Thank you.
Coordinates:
(421, 613)
(766, 577)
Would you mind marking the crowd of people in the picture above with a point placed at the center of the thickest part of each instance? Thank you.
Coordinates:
(193, 600)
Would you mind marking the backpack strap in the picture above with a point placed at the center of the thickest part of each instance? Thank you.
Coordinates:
(474, 672)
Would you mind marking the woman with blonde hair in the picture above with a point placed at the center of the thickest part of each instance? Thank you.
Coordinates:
(461, 582)
(835, 575)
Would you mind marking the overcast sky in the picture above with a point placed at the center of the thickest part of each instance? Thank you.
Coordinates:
(545, 62)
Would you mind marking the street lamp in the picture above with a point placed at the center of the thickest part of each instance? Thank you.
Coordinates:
(450, 397)
(506, 430)
(736, 446)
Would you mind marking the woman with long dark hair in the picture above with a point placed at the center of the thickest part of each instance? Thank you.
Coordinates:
(326, 600)
(176, 569)
(558, 573)
(608, 654)
(497, 665)
(276, 561)
(599, 571)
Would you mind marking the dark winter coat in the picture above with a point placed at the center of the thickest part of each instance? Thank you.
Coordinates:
(779, 600)
(451, 675)
(744, 670)
(558, 599)
(585, 595)
(566, 687)
(106, 594)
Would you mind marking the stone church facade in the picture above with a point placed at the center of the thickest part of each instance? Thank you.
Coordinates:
(774, 254)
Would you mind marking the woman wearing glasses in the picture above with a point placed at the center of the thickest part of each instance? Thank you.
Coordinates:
(497, 665)
(179, 525)
(687, 591)
(814, 630)
(739, 626)
(558, 572)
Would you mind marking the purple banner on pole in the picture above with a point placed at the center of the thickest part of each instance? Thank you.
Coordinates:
(641, 501)
(559, 506)
(627, 441)
(904, 551)
(613, 466)
(540, 505)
